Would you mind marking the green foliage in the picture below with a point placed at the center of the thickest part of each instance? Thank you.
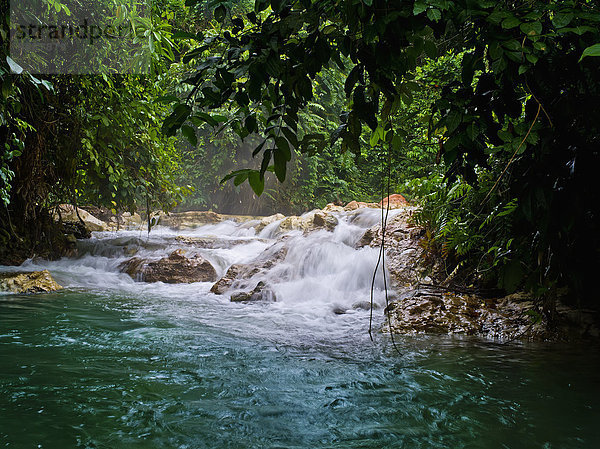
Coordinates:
(520, 121)
(90, 139)
(462, 233)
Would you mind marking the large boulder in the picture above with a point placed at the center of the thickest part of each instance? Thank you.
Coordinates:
(68, 213)
(175, 269)
(322, 220)
(33, 282)
(311, 221)
(293, 223)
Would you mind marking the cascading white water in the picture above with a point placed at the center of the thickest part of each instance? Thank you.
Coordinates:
(322, 276)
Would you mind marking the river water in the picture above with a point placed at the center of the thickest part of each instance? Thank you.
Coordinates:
(112, 363)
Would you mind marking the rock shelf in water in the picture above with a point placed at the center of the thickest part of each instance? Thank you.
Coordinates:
(32, 282)
(175, 269)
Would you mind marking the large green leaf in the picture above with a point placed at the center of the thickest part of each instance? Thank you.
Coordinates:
(14, 67)
(179, 115)
(190, 134)
(256, 182)
(593, 50)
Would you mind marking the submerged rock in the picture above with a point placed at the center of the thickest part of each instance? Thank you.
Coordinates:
(260, 293)
(237, 275)
(33, 282)
(215, 242)
(175, 269)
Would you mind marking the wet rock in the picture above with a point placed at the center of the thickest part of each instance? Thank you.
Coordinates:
(67, 213)
(368, 237)
(238, 274)
(33, 282)
(266, 221)
(338, 310)
(175, 269)
(426, 311)
(133, 267)
(395, 201)
(260, 293)
(190, 219)
(214, 242)
(323, 220)
(404, 255)
(353, 205)
(331, 207)
(223, 284)
(364, 305)
(76, 229)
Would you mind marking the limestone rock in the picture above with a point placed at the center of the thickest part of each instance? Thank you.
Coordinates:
(260, 293)
(175, 269)
(404, 255)
(323, 220)
(311, 221)
(131, 220)
(395, 201)
(238, 275)
(331, 207)
(190, 219)
(33, 282)
(266, 221)
(223, 284)
(353, 205)
(429, 311)
(293, 223)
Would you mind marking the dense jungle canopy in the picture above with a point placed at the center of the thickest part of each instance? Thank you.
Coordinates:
(485, 113)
